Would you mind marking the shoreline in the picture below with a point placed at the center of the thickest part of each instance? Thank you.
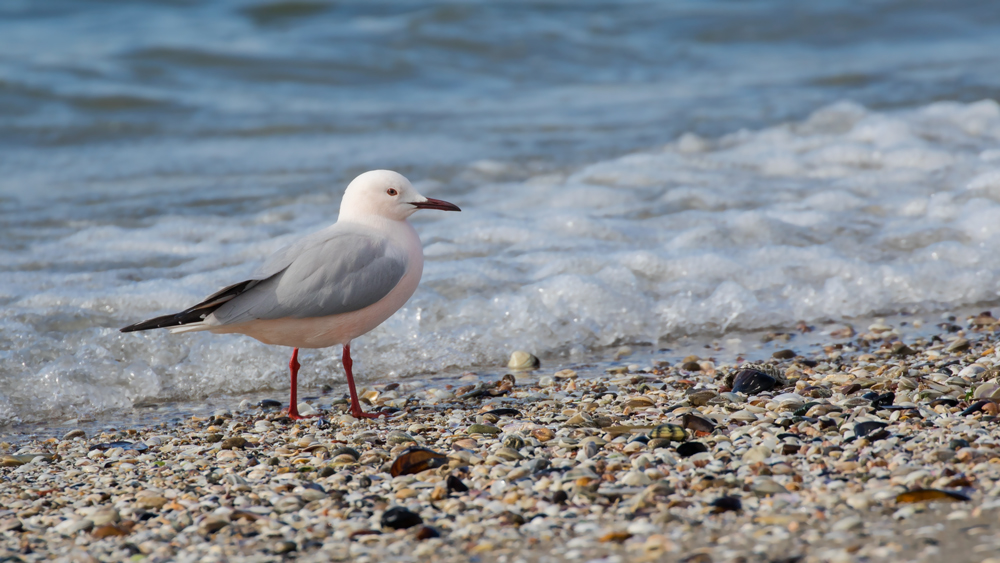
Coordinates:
(558, 466)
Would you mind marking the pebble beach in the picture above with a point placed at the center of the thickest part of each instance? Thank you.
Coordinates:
(875, 445)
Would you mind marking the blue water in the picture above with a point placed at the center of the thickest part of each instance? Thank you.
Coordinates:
(629, 171)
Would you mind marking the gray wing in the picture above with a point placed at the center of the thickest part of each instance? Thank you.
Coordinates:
(339, 272)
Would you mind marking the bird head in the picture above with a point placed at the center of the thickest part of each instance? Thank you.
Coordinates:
(387, 194)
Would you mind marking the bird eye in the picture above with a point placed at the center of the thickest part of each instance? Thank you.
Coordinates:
(392, 191)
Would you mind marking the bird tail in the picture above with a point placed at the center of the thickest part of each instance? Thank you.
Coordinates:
(193, 319)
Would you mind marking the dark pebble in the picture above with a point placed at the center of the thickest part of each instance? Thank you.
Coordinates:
(426, 533)
(688, 449)
(783, 354)
(283, 547)
(455, 485)
(726, 504)
(691, 366)
(274, 461)
(399, 518)
(958, 444)
(559, 497)
(269, 404)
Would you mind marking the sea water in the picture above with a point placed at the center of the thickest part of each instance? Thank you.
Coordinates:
(629, 173)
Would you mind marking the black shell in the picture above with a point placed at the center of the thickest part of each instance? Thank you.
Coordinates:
(752, 382)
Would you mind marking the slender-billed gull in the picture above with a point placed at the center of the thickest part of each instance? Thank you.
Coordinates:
(329, 287)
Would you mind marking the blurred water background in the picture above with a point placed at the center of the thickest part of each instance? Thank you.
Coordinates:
(630, 172)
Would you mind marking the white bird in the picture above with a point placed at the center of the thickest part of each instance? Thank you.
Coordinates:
(329, 287)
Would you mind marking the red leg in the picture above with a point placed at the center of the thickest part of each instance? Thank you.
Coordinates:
(293, 403)
(356, 411)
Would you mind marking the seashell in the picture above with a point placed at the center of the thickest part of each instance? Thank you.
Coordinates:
(697, 423)
(854, 402)
(946, 401)
(688, 449)
(569, 443)
(657, 443)
(543, 434)
(483, 429)
(731, 397)
(701, 398)
(523, 361)
(752, 382)
(930, 495)
(972, 370)
(743, 416)
(978, 406)
(565, 374)
(988, 390)
(346, 451)
(513, 441)
(509, 454)
(415, 460)
(640, 402)
(16, 460)
(958, 345)
(668, 432)
(504, 412)
(399, 437)
(883, 400)
(792, 398)
(137, 446)
(864, 429)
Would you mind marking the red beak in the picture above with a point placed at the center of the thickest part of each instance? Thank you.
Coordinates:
(432, 203)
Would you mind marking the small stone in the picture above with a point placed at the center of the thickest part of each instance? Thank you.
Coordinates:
(211, 524)
(213, 438)
(152, 501)
(399, 518)
(234, 443)
(105, 516)
(783, 354)
(284, 547)
(523, 361)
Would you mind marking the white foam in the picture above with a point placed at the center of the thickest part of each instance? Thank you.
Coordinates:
(847, 213)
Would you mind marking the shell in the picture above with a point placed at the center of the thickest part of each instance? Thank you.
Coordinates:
(668, 432)
(523, 361)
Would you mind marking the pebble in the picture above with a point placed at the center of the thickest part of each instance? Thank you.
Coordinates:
(848, 446)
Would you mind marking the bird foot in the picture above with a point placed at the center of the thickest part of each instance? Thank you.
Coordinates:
(294, 415)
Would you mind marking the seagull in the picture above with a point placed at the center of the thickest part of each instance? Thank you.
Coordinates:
(329, 287)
